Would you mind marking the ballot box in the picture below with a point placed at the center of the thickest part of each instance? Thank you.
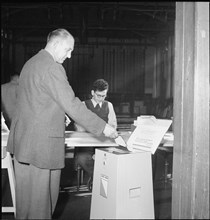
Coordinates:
(122, 185)
(122, 182)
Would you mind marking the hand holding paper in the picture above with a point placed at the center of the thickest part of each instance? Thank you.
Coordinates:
(109, 131)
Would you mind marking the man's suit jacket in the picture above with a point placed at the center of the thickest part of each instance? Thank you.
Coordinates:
(9, 99)
(37, 131)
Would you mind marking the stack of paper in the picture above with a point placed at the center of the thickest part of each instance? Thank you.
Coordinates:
(168, 139)
(148, 133)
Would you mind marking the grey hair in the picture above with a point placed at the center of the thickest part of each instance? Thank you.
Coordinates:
(60, 32)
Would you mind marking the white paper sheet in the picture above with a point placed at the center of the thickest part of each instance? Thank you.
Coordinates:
(148, 134)
(119, 140)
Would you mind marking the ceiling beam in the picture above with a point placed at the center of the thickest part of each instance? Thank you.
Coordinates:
(15, 27)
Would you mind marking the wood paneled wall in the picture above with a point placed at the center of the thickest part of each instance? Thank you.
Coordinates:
(134, 70)
(163, 76)
(122, 66)
(190, 191)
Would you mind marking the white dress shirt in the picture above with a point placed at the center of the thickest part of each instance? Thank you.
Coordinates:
(112, 119)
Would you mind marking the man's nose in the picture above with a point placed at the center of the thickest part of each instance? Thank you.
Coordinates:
(68, 55)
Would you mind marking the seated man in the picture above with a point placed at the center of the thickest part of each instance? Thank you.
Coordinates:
(104, 109)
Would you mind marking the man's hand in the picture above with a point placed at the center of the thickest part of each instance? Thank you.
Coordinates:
(109, 131)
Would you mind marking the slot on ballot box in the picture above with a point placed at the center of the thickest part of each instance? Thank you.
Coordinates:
(122, 181)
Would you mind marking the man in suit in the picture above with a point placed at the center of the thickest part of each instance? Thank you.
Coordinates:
(104, 109)
(37, 131)
(9, 93)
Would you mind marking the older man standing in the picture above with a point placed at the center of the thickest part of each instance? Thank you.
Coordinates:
(37, 132)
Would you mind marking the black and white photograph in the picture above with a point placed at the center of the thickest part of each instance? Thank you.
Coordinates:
(105, 110)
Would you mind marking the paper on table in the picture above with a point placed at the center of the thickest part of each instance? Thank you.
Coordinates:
(168, 139)
(146, 120)
(119, 140)
(148, 135)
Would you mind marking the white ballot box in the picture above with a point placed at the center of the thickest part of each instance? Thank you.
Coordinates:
(122, 182)
(122, 185)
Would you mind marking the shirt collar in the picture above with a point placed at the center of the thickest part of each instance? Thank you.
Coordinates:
(95, 103)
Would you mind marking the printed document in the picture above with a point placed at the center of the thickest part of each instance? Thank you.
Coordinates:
(148, 134)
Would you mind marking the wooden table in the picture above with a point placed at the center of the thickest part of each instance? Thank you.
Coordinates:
(81, 139)
(85, 139)
(78, 139)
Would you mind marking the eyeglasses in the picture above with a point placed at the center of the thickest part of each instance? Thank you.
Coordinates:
(100, 96)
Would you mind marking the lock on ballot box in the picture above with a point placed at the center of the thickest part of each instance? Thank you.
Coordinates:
(122, 185)
(122, 181)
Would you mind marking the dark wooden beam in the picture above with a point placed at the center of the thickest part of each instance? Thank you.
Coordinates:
(190, 191)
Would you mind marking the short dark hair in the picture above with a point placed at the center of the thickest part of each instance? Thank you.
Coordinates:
(100, 85)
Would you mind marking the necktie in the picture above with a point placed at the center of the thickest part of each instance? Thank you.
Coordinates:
(97, 107)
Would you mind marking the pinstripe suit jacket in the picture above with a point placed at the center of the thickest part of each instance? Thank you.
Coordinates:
(37, 129)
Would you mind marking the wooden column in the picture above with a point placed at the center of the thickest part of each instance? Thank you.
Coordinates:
(190, 190)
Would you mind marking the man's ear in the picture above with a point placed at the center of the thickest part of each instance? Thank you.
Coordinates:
(92, 92)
